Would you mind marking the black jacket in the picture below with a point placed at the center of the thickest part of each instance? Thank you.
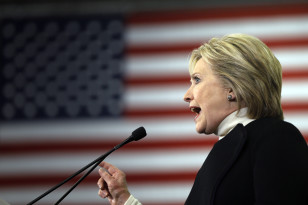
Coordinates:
(263, 163)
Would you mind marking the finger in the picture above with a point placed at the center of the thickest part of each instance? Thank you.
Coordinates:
(103, 193)
(101, 183)
(105, 175)
(102, 170)
(105, 164)
(109, 167)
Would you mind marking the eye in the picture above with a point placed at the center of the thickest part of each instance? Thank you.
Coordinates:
(196, 79)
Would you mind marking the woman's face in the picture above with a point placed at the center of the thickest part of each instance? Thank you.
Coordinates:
(208, 98)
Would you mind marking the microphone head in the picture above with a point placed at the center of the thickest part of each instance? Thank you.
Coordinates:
(139, 133)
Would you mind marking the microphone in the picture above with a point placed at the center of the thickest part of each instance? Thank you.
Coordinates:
(136, 135)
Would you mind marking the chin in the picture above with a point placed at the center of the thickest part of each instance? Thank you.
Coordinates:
(200, 130)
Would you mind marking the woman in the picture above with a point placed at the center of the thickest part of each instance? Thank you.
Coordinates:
(236, 94)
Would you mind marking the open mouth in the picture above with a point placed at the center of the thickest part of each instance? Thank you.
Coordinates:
(196, 110)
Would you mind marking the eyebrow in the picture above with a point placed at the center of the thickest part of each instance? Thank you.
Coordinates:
(194, 74)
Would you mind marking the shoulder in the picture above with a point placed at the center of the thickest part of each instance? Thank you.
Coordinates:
(272, 126)
(270, 132)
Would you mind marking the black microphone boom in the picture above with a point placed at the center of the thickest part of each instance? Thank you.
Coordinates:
(138, 134)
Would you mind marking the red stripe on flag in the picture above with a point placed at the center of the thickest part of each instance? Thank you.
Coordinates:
(185, 15)
(287, 42)
(292, 73)
(133, 50)
(105, 202)
(155, 49)
(140, 178)
(67, 147)
(98, 146)
(180, 112)
(299, 73)
(158, 80)
(306, 138)
(297, 106)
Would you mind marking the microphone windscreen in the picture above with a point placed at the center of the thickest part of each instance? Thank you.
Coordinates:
(139, 133)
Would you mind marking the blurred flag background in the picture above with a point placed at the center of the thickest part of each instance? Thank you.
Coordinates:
(74, 86)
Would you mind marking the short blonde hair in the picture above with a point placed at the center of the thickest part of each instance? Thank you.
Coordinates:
(247, 66)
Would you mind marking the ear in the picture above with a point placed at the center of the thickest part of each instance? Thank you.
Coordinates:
(231, 95)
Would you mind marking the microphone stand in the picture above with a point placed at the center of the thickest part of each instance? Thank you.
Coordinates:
(84, 176)
(136, 135)
(97, 161)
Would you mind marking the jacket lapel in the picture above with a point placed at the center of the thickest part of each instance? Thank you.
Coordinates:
(219, 161)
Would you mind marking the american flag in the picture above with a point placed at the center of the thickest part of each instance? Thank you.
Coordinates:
(74, 87)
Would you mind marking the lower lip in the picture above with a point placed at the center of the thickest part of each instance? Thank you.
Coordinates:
(196, 116)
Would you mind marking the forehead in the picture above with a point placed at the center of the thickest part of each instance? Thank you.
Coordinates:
(201, 67)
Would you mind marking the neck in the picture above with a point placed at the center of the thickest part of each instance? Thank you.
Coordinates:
(237, 117)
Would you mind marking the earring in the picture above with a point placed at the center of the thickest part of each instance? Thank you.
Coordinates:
(229, 97)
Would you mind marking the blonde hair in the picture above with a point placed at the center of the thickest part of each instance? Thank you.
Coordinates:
(247, 66)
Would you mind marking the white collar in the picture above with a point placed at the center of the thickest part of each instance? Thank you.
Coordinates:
(231, 121)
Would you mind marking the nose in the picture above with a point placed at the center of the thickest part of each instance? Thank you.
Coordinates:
(188, 96)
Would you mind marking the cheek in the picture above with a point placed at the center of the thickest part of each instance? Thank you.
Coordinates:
(202, 95)
(206, 100)
(213, 106)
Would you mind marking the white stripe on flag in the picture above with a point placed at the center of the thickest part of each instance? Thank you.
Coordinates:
(199, 31)
(156, 65)
(135, 162)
